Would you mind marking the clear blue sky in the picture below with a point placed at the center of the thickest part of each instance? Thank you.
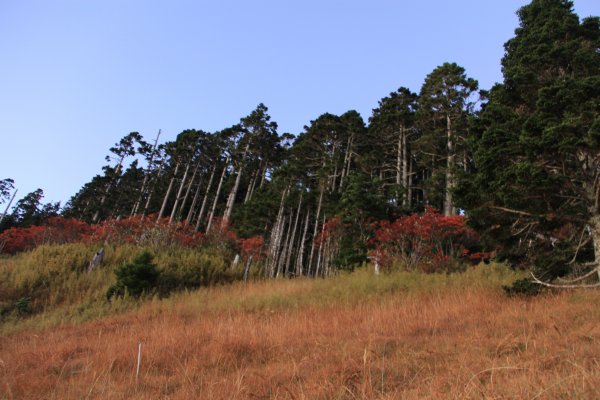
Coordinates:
(76, 75)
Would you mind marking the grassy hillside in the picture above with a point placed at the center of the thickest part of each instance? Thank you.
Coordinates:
(50, 285)
(354, 336)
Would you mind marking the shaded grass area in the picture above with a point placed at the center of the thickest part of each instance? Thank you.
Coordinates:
(50, 285)
(355, 336)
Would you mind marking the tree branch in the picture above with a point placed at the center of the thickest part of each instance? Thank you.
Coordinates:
(536, 280)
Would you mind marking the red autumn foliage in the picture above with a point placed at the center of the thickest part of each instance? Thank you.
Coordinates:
(66, 230)
(146, 232)
(332, 230)
(253, 246)
(56, 230)
(429, 241)
(221, 235)
(134, 230)
(15, 240)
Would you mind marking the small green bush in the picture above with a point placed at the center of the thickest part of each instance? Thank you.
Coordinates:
(136, 278)
(523, 287)
(21, 306)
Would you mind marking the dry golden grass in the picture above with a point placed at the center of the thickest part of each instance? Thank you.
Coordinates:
(294, 340)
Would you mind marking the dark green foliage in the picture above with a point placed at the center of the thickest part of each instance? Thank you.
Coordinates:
(360, 206)
(136, 278)
(522, 165)
(21, 306)
(6, 187)
(523, 287)
(535, 185)
(30, 211)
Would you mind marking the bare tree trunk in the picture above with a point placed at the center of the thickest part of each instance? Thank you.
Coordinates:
(247, 268)
(347, 160)
(192, 208)
(205, 200)
(409, 181)
(286, 249)
(178, 196)
(275, 240)
(264, 174)
(236, 186)
(319, 264)
(449, 208)
(594, 225)
(188, 190)
(316, 230)
(160, 168)
(214, 206)
(167, 194)
(405, 169)
(146, 175)
(293, 238)
(399, 158)
(300, 253)
(8, 206)
(251, 186)
(108, 186)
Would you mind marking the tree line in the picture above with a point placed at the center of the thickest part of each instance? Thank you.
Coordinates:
(521, 161)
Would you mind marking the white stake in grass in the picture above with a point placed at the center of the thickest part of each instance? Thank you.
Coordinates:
(139, 362)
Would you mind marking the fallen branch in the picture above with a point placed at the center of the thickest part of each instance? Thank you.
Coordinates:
(540, 282)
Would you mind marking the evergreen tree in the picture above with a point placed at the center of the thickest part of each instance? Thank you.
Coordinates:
(536, 190)
(30, 211)
(389, 146)
(445, 102)
(6, 187)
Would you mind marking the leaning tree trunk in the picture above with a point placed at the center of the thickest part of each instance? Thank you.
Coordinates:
(276, 234)
(347, 160)
(145, 182)
(205, 200)
(300, 252)
(187, 192)
(192, 208)
(236, 186)
(594, 225)
(154, 181)
(449, 208)
(405, 169)
(214, 206)
(108, 186)
(179, 192)
(167, 194)
(286, 248)
(252, 185)
(316, 230)
(293, 237)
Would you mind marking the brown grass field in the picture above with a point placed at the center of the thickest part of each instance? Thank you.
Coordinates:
(350, 337)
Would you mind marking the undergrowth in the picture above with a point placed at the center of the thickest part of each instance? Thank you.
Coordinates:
(50, 286)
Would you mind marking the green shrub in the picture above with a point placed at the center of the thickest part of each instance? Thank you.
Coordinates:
(523, 287)
(21, 306)
(136, 278)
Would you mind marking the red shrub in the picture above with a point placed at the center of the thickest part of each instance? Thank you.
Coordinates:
(136, 230)
(427, 241)
(254, 246)
(56, 230)
(220, 234)
(66, 230)
(146, 231)
(15, 240)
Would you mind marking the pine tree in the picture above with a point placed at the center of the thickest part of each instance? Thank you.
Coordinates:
(536, 190)
(445, 102)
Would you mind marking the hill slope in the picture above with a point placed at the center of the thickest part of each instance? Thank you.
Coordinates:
(352, 336)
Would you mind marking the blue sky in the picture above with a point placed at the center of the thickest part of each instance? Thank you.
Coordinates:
(76, 75)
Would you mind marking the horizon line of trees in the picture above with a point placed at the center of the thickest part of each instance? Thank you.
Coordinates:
(521, 160)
